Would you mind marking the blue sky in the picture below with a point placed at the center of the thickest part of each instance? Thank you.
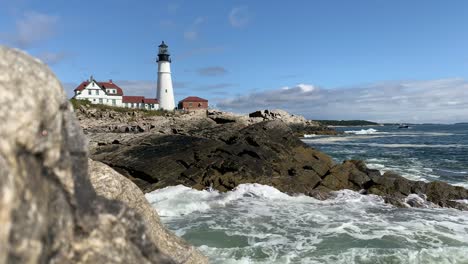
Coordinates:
(321, 59)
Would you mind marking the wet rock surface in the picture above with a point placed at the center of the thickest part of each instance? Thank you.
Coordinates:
(266, 153)
(49, 210)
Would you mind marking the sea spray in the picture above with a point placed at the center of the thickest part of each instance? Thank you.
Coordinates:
(258, 224)
(362, 131)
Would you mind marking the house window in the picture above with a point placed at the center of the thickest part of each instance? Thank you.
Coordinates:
(166, 90)
(113, 102)
(100, 100)
(89, 92)
(190, 104)
(97, 92)
(131, 105)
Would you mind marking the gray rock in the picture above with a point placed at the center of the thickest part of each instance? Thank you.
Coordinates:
(49, 211)
(112, 185)
(266, 153)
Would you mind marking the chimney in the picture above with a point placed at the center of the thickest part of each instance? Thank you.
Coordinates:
(110, 80)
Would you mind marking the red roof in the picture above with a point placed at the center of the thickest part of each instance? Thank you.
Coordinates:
(150, 101)
(133, 99)
(194, 99)
(102, 85)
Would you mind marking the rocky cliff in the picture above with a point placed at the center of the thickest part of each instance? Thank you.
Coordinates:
(49, 210)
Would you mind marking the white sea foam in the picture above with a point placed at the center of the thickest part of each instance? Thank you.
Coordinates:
(356, 135)
(326, 140)
(362, 131)
(309, 135)
(259, 224)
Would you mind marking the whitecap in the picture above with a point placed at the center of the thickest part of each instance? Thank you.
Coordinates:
(362, 131)
(259, 224)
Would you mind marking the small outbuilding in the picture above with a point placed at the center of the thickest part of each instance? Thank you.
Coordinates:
(193, 103)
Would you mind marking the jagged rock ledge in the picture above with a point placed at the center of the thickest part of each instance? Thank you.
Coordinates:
(268, 153)
(104, 125)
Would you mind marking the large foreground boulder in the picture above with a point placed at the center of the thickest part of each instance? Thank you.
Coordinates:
(49, 211)
(111, 185)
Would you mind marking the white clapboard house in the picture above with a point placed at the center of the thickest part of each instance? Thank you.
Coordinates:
(108, 93)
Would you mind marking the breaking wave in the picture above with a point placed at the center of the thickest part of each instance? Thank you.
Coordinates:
(362, 131)
(258, 224)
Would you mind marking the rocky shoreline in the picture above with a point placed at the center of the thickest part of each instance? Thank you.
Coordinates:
(267, 153)
(220, 150)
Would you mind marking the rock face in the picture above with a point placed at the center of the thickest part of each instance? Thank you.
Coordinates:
(395, 189)
(49, 211)
(266, 153)
(279, 114)
(111, 185)
(105, 126)
(299, 125)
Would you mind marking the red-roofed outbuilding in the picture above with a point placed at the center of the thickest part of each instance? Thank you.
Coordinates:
(193, 103)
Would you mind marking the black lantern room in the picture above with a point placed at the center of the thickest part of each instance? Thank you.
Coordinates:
(163, 54)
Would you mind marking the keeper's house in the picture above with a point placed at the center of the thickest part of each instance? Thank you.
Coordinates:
(108, 93)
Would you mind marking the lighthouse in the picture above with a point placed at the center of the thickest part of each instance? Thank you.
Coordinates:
(165, 93)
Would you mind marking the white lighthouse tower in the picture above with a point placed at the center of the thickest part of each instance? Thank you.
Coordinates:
(165, 91)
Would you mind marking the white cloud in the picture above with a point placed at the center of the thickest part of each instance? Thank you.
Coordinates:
(444, 100)
(192, 32)
(167, 24)
(239, 16)
(190, 35)
(33, 28)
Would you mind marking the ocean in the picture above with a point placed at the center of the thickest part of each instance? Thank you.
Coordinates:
(258, 224)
